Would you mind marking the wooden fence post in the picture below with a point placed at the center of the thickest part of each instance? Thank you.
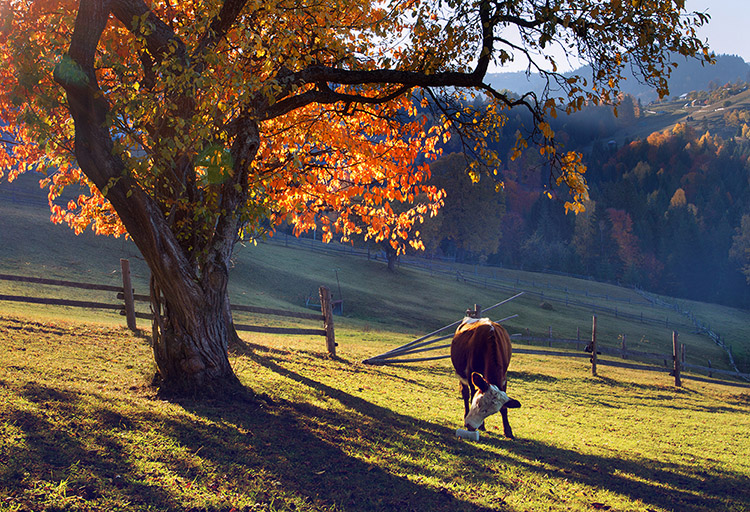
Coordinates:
(676, 359)
(327, 309)
(127, 293)
(624, 347)
(593, 347)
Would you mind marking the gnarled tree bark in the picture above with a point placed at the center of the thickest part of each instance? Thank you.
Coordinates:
(193, 325)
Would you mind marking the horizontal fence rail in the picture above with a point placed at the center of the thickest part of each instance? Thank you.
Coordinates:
(126, 306)
(670, 362)
(60, 302)
(393, 356)
(55, 282)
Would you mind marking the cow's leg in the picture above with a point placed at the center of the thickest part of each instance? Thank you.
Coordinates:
(506, 425)
(466, 395)
(473, 391)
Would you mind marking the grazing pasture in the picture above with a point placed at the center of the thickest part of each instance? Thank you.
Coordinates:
(273, 276)
(81, 429)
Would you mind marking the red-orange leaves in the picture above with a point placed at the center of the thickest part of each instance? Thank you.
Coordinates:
(313, 113)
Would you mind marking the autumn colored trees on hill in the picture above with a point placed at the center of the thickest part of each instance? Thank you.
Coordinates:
(669, 213)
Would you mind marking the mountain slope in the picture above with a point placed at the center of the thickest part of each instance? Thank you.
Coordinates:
(690, 75)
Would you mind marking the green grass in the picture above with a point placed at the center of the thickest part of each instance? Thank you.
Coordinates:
(81, 429)
(410, 302)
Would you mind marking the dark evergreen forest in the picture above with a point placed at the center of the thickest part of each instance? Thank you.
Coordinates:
(665, 210)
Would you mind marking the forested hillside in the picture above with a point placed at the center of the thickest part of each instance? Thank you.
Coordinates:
(688, 76)
(666, 206)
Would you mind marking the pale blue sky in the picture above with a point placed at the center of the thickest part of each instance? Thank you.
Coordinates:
(729, 28)
(728, 32)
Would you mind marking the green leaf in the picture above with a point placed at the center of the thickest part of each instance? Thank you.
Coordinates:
(69, 72)
(217, 162)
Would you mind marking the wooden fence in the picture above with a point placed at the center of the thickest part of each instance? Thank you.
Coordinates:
(127, 299)
(637, 360)
(673, 363)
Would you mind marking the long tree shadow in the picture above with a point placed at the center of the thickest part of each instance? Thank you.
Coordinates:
(672, 486)
(279, 453)
(309, 449)
(284, 452)
(308, 454)
(54, 452)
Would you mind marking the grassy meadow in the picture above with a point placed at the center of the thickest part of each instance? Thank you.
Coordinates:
(409, 301)
(81, 427)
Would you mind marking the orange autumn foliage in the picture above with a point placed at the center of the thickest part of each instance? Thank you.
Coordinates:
(341, 161)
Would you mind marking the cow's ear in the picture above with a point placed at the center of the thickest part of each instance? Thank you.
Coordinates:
(513, 404)
(478, 380)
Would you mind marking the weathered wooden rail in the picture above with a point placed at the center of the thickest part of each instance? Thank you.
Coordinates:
(673, 363)
(127, 299)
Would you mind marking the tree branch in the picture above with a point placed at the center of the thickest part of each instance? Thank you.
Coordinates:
(158, 37)
(327, 96)
(94, 153)
(220, 25)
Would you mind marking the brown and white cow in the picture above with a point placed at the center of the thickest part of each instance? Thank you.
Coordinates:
(480, 352)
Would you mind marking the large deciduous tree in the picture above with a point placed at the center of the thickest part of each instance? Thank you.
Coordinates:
(191, 124)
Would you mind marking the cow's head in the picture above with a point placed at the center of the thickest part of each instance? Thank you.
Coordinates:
(487, 401)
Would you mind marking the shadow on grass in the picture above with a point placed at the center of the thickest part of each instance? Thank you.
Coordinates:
(309, 448)
(683, 487)
(91, 464)
(285, 456)
(280, 457)
(524, 376)
(662, 394)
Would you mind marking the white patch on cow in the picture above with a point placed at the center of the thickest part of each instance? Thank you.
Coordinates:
(484, 405)
(471, 320)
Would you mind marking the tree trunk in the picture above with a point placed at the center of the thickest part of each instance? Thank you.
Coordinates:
(391, 256)
(191, 341)
(193, 327)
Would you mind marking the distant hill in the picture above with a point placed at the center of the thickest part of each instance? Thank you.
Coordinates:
(689, 76)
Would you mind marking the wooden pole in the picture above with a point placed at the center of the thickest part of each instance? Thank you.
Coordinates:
(593, 347)
(476, 312)
(327, 310)
(412, 343)
(676, 360)
(127, 293)
(624, 347)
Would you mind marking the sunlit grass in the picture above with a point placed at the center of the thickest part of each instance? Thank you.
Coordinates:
(81, 429)
(409, 302)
